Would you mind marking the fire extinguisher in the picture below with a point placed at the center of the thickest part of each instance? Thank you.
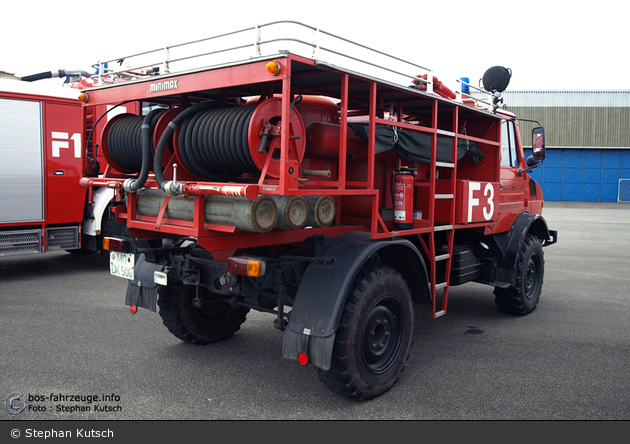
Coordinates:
(402, 195)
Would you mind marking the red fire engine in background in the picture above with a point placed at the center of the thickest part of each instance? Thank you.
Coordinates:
(42, 158)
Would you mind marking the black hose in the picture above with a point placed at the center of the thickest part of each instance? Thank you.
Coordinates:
(38, 76)
(51, 74)
(294, 102)
(95, 166)
(190, 154)
(129, 143)
(146, 136)
(168, 134)
(213, 142)
(123, 142)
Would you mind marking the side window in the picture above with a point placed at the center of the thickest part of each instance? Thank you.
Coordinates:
(509, 153)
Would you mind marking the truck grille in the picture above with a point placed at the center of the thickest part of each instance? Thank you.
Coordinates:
(62, 238)
(20, 242)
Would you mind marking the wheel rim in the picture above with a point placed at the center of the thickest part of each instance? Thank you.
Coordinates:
(382, 335)
(531, 276)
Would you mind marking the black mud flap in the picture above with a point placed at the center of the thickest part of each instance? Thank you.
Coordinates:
(142, 291)
(323, 290)
(319, 350)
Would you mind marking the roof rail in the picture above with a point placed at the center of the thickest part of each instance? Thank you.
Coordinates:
(258, 42)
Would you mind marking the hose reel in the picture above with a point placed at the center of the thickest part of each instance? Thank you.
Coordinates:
(219, 143)
(214, 143)
(122, 141)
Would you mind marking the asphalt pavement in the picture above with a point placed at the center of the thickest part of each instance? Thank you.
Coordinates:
(69, 342)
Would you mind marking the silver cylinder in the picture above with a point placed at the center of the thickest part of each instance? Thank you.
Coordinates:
(255, 215)
(322, 211)
(293, 212)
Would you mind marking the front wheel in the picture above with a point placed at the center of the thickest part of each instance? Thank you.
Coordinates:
(212, 322)
(374, 336)
(522, 298)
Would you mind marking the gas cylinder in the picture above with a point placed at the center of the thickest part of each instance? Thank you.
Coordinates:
(402, 191)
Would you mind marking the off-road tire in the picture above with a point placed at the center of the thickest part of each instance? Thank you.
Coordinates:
(214, 321)
(374, 336)
(523, 298)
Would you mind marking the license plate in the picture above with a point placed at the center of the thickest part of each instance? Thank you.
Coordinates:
(122, 264)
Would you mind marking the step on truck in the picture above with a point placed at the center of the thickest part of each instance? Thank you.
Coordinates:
(334, 197)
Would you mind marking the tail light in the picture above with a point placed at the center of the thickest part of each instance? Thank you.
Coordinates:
(246, 266)
(114, 244)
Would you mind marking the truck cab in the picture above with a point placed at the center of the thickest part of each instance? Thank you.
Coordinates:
(519, 192)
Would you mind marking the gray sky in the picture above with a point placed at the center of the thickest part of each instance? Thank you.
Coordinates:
(547, 44)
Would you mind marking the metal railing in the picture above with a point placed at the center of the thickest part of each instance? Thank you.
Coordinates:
(256, 42)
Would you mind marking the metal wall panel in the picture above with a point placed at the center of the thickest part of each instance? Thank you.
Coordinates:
(572, 175)
(589, 175)
(549, 175)
(578, 127)
(611, 173)
(587, 134)
(578, 119)
(21, 164)
(579, 99)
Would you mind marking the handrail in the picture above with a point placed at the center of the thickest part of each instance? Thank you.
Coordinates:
(162, 59)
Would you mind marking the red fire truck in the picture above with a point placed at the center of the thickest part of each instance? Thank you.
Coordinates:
(42, 158)
(333, 197)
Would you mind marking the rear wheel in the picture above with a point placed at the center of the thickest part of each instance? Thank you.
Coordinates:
(374, 336)
(524, 296)
(212, 322)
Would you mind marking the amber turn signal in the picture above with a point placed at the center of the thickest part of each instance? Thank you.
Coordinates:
(273, 68)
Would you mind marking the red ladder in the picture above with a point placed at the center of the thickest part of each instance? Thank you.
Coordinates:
(445, 199)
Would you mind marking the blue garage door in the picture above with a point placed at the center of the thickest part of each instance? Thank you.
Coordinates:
(589, 175)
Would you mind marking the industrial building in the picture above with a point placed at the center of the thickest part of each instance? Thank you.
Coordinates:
(587, 136)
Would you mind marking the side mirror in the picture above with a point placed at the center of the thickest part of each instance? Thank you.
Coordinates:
(538, 143)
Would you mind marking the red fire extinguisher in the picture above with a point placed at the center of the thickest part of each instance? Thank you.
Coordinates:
(402, 194)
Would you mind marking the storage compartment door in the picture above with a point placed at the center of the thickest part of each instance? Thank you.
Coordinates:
(21, 176)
